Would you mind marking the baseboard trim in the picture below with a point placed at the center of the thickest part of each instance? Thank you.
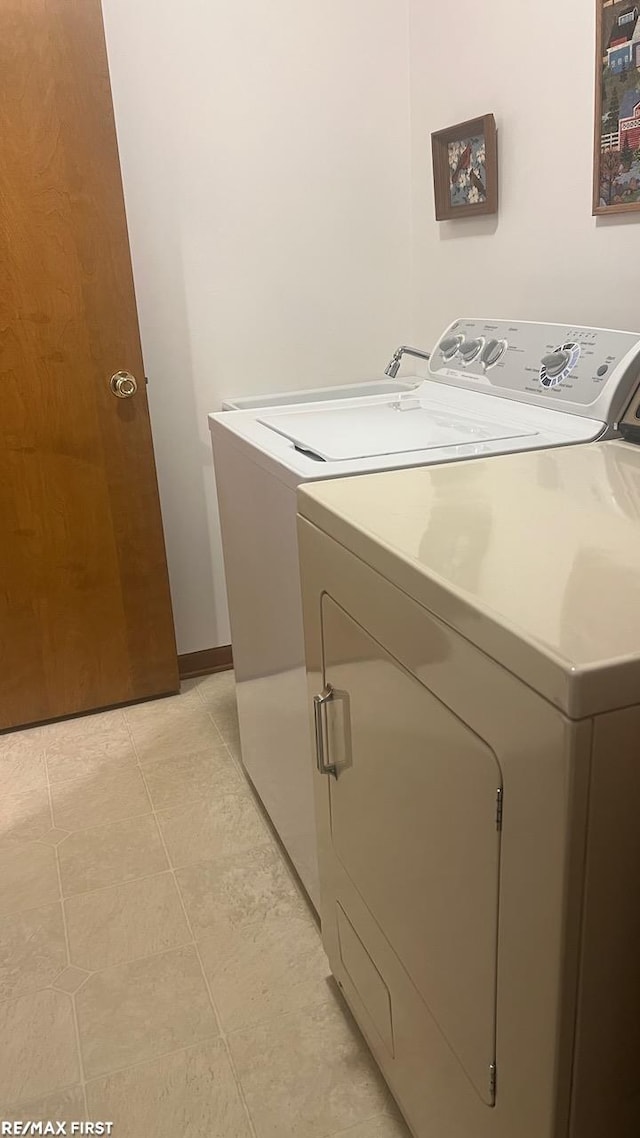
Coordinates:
(192, 664)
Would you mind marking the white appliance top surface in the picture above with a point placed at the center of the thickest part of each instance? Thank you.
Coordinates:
(534, 557)
(464, 424)
(493, 386)
(404, 424)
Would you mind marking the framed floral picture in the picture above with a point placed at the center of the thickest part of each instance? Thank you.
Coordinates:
(465, 169)
(616, 158)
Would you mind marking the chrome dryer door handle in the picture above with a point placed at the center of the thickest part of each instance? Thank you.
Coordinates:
(319, 703)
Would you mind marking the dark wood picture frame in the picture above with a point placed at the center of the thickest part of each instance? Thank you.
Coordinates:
(462, 132)
(616, 135)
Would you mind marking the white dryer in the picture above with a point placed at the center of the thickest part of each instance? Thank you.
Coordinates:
(494, 386)
(473, 651)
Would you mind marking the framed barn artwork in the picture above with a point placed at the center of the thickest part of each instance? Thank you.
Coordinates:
(616, 161)
(465, 169)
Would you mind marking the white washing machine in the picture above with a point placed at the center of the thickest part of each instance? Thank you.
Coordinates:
(473, 652)
(494, 386)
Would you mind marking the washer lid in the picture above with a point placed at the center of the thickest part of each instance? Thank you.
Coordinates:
(385, 428)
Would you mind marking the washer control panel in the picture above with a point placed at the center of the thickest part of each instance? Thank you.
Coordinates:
(568, 365)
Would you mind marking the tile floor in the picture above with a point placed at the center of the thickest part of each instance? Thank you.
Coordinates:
(159, 967)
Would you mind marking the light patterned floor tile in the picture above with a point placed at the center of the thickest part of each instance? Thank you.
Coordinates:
(307, 1075)
(191, 777)
(213, 827)
(33, 950)
(148, 1032)
(265, 970)
(70, 980)
(61, 1106)
(25, 815)
(232, 892)
(123, 922)
(218, 691)
(191, 1093)
(143, 1009)
(79, 748)
(152, 711)
(380, 1126)
(28, 744)
(22, 765)
(25, 810)
(231, 736)
(109, 855)
(28, 876)
(174, 731)
(53, 837)
(37, 1045)
(98, 798)
(218, 695)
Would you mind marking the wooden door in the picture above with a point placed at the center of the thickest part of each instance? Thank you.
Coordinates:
(85, 612)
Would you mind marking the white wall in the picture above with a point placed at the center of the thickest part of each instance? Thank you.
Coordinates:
(544, 256)
(276, 161)
(265, 151)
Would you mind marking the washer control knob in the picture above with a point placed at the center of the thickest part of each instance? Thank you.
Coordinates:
(449, 346)
(493, 351)
(555, 362)
(469, 349)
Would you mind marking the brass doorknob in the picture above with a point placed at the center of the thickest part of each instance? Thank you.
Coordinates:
(123, 384)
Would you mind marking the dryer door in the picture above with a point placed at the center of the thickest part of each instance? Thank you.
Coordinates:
(413, 826)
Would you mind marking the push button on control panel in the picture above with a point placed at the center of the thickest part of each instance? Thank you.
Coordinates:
(602, 370)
